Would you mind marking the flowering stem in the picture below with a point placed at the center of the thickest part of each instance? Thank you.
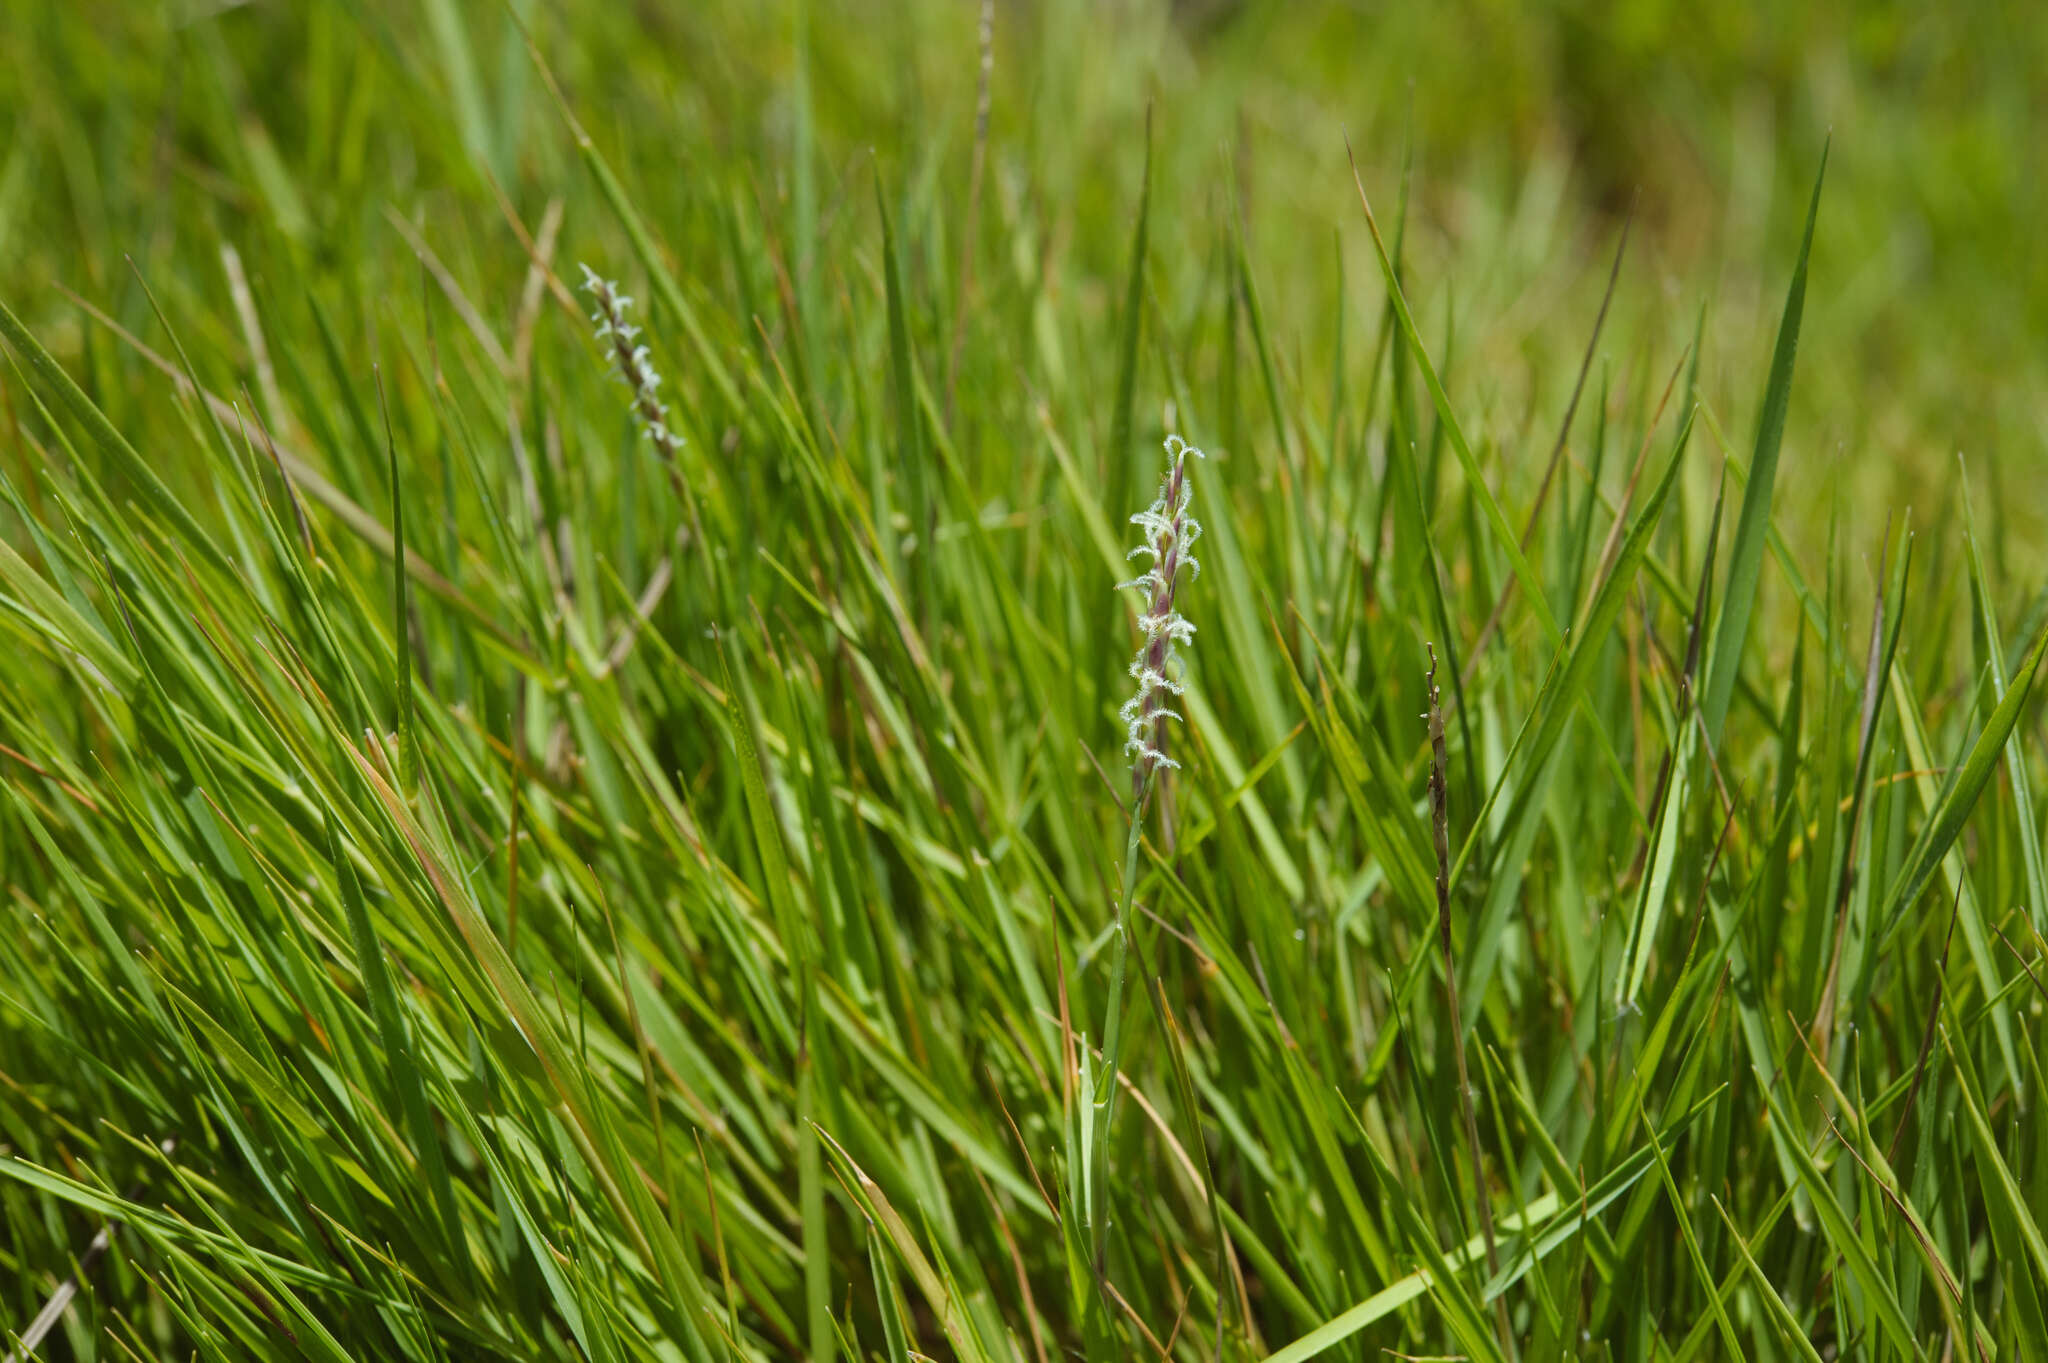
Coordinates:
(1113, 1025)
(1169, 533)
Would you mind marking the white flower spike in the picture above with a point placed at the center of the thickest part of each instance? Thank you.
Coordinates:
(1169, 533)
(632, 364)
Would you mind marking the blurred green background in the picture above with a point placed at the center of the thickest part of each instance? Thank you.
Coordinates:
(150, 127)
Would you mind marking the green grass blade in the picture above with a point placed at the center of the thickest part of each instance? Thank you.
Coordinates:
(1746, 551)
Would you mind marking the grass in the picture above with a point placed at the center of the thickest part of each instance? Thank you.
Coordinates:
(484, 883)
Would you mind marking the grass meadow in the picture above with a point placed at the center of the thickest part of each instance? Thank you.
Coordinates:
(584, 774)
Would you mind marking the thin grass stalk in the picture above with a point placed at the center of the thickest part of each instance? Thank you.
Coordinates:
(1113, 1029)
(1439, 822)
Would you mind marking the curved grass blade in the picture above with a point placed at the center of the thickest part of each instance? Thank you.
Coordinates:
(1746, 553)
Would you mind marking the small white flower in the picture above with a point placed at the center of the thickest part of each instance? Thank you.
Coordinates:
(1172, 626)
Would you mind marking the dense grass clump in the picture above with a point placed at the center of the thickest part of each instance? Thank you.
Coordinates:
(554, 818)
